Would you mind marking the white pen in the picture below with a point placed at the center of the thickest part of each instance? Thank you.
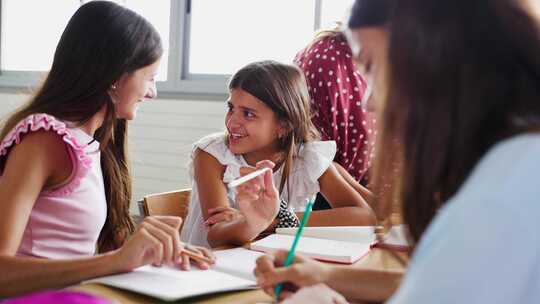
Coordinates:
(247, 177)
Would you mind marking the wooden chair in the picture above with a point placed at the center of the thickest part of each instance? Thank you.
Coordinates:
(166, 203)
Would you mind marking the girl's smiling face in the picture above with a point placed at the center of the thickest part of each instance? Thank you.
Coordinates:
(253, 128)
(132, 89)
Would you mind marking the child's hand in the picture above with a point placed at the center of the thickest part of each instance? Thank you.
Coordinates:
(201, 251)
(222, 214)
(155, 241)
(258, 199)
(303, 272)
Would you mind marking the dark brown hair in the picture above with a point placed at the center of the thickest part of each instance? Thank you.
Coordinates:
(463, 75)
(283, 89)
(101, 42)
(367, 13)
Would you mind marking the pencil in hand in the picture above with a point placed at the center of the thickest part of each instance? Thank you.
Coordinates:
(290, 255)
(196, 255)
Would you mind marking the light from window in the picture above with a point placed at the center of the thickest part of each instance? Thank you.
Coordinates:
(157, 12)
(29, 36)
(333, 11)
(226, 35)
(535, 6)
(31, 30)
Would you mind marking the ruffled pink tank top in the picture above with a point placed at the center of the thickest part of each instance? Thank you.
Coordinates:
(64, 222)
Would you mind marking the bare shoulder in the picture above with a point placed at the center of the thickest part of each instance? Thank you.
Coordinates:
(42, 142)
(41, 150)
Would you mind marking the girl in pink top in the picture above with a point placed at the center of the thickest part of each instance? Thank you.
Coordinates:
(64, 179)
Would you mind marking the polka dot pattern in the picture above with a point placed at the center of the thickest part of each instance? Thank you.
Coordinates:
(336, 89)
(286, 218)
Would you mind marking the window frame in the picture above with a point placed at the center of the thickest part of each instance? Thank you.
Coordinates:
(180, 84)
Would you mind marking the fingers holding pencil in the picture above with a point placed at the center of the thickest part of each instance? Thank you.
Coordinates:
(270, 272)
(202, 257)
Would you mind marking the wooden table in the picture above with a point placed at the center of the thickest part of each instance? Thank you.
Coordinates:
(376, 259)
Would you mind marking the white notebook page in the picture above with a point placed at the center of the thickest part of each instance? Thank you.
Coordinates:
(238, 261)
(322, 249)
(169, 283)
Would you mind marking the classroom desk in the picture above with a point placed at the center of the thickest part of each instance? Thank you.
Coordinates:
(375, 259)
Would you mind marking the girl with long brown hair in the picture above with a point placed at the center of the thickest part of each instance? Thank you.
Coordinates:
(268, 124)
(65, 184)
(461, 87)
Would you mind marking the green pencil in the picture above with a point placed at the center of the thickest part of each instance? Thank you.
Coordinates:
(290, 256)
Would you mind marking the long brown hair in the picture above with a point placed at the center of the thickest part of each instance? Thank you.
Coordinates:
(463, 75)
(376, 14)
(101, 42)
(283, 89)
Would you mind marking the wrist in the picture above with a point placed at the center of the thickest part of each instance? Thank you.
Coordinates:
(272, 227)
(99, 265)
(113, 261)
(256, 227)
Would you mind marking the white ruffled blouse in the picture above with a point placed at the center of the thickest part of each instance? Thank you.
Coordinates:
(312, 161)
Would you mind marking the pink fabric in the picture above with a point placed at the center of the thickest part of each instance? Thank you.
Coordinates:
(54, 297)
(336, 90)
(64, 222)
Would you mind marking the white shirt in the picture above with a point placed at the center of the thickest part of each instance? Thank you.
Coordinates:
(313, 160)
(484, 245)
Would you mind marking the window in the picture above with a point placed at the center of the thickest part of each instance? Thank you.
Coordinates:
(156, 12)
(24, 48)
(204, 40)
(334, 11)
(221, 43)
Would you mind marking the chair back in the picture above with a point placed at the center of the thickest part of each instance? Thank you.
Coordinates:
(167, 203)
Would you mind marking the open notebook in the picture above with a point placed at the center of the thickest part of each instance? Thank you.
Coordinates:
(344, 244)
(233, 271)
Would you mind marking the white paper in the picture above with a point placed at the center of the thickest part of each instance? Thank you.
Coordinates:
(233, 271)
(355, 234)
(398, 236)
(240, 262)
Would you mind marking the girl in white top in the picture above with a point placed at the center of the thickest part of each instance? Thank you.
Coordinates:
(268, 122)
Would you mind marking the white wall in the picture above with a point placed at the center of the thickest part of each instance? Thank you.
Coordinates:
(160, 139)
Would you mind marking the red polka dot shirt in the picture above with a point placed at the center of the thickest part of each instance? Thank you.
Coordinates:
(336, 89)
